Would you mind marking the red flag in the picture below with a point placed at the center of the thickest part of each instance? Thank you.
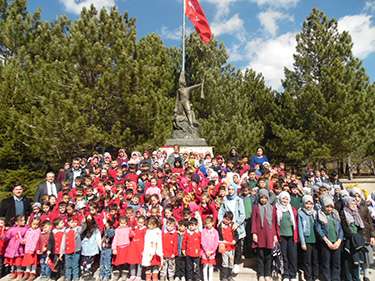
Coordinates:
(196, 15)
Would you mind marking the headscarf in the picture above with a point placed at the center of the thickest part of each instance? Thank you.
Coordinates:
(280, 208)
(266, 209)
(352, 216)
(322, 216)
(308, 198)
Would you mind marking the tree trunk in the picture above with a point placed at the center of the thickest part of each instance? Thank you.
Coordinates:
(350, 168)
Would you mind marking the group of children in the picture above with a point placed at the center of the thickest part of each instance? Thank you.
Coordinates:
(155, 217)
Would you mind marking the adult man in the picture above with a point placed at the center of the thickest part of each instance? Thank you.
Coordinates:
(75, 171)
(15, 205)
(49, 187)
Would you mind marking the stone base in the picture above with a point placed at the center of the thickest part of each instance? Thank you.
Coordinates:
(198, 145)
(186, 142)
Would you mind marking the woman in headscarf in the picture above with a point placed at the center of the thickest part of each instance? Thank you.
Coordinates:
(356, 236)
(306, 229)
(264, 235)
(331, 235)
(287, 232)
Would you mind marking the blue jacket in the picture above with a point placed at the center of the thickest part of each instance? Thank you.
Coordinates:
(91, 246)
(323, 232)
(238, 213)
(304, 225)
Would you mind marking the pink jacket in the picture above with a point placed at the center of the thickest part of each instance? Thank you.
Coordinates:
(31, 240)
(14, 236)
(209, 242)
(122, 237)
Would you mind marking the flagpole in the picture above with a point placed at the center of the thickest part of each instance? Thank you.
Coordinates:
(183, 34)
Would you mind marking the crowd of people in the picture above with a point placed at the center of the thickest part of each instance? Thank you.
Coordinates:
(181, 216)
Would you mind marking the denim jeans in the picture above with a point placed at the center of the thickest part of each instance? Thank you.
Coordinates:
(72, 267)
(106, 264)
(45, 271)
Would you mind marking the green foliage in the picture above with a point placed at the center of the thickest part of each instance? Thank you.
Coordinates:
(69, 87)
(29, 180)
(326, 108)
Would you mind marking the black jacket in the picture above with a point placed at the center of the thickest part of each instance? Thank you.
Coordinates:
(8, 208)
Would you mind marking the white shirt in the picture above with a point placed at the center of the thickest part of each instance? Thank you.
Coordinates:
(51, 189)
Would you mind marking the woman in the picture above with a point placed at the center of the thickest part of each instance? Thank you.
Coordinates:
(331, 235)
(259, 158)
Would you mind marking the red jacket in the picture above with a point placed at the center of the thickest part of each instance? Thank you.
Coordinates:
(170, 244)
(56, 245)
(227, 235)
(2, 241)
(70, 241)
(295, 230)
(192, 243)
(43, 242)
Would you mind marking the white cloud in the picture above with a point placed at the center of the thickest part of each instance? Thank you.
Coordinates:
(174, 34)
(222, 7)
(268, 19)
(270, 56)
(276, 3)
(370, 6)
(76, 6)
(230, 26)
(362, 31)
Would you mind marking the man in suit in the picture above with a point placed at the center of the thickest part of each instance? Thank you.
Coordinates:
(15, 205)
(49, 187)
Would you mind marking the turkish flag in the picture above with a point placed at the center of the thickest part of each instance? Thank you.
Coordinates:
(196, 15)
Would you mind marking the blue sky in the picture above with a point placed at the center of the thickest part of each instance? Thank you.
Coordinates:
(257, 33)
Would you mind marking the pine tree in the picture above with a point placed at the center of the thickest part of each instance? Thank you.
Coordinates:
(325, 109)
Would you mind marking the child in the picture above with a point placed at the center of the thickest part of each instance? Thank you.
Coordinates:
(295, 196)
(191, 248)
(170, 250)
(181, 259)
(2, 246)
(15, 249)
(227, 245)
(30, 258)
(264, 235)
(91, 245)
(306, 229)
(152, 257)
(210, 242)
(120, 244)
(55, 248)
(136, 249)
(331, 234)
(72, 249)
(287, 232)
(45, 271)
(106, 253)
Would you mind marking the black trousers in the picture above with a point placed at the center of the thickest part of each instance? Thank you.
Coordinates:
(329, 263)
(238, 252)
(350, 271)
(193, 271)
(289, 254)
(264, 262)
(180, 267)
(247, 250)
(310, 262)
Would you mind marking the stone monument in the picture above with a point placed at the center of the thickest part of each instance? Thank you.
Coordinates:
(185, 125)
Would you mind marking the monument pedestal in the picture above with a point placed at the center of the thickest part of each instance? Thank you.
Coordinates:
(198, 145)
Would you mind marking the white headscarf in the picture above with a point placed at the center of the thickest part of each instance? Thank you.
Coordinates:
(280, 208)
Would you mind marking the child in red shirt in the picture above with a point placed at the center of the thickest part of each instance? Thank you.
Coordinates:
(170, 250)
(191, 248)
(2, 245)
(227, 245)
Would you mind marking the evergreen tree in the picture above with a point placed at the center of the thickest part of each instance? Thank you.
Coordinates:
(326, 108)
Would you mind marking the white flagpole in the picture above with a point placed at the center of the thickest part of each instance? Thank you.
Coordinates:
(183, 34)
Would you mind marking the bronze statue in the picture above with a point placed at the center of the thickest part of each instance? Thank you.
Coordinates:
(185, 124)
